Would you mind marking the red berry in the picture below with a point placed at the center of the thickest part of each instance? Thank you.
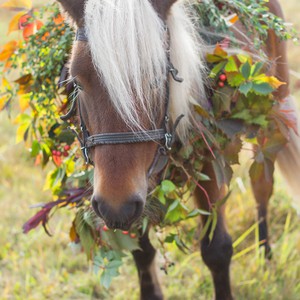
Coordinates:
(58, 153)
(223, 77)
(125, 232)
(67, 147)
(133, 235)
(65, 154)
(221, 84)
(105, 228)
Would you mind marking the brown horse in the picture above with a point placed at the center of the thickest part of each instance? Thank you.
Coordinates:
(122, 61)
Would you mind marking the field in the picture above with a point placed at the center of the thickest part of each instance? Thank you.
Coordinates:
(35, 266)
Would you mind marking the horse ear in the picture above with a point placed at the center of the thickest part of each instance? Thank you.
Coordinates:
(74, 9)
(163, 6)
(170, 3)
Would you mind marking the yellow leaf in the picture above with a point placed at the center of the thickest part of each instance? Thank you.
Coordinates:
(201, 111)
(73, 234)
(234, 18)
(14, 23)
(3, 100)
(21, 132)
(261, 78)
(8, 50)
(219, 51)
(271, 80)
(274, 82)
(24, 101)
(17, 5)
(5, 84)
(243, 58)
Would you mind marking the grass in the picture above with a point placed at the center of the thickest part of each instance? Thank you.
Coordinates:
(35, 266)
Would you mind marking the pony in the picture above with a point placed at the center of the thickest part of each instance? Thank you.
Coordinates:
(127, 62)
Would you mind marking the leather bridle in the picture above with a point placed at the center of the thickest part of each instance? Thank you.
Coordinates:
(165, 135)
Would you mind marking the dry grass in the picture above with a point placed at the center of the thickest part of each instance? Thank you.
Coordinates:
(35, 266)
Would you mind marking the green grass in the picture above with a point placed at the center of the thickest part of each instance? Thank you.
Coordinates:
(35, 266)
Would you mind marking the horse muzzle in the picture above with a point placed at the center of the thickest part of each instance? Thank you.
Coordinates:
(121, 216)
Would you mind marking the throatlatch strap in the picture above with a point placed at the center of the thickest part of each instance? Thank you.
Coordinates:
(81, 35)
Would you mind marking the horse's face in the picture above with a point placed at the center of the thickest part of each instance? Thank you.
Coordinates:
(120, 171)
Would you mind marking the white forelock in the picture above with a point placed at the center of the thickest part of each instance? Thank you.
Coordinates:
(128, 46)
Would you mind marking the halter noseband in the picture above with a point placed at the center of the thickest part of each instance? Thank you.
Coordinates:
(165, 134)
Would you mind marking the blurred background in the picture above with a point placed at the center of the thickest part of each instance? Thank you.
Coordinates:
(35, 266)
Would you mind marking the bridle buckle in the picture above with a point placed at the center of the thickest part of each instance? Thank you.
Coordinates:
(168, 141)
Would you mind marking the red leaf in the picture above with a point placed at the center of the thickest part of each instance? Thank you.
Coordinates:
(57, 160)
(286, 114)
(37, 219)
(24, 21)
(58, 20)
(31, 29)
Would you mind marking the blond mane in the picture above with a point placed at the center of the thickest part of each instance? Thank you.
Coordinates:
(127, 40)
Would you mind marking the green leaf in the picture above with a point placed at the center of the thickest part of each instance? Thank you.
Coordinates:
(222, 171)
(168, 186)
(231, 65)
(161, 196)
(145, 225)
(235, 79)
(180, 244)
(246, 70)
(115, 264)
(262, 88)
(119, 241)
(174, 205)
(213, 224)
(256, 68)
(206, 227)
(176, 212)
(232, 149)
(260, 120)
(274, 145)
(202, 177)
(244, 114)
(106, 279)
(217, 69)
(222, 101)
(246, 87)
(197, 212)
(186, 151)
(221, 202)
(231, 127)
(35, 148)
(170, 238)
(84, 231)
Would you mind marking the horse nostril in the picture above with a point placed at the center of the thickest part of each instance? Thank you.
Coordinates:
(119, 217)
(96, 204)
(133, 208)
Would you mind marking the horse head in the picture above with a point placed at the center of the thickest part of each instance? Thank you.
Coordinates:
(120, 63)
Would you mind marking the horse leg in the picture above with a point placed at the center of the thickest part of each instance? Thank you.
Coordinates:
(216, 253)
(262, 189)
(145, 262)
